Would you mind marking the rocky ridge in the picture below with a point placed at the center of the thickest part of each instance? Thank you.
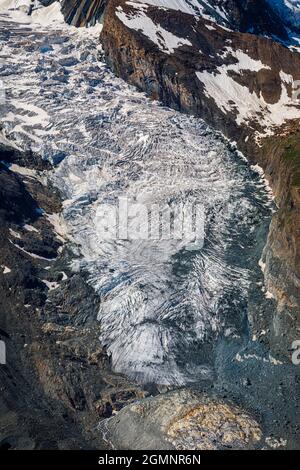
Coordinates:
(259, 17)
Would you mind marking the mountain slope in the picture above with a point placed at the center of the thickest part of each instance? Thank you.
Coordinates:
(198, 57)
(255, 16)
(201, 68)
(243, 85)
(83, 12)
(279, 20)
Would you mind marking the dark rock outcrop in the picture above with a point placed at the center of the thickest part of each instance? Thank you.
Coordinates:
(252, 16)
(280, 157)
(80, 12)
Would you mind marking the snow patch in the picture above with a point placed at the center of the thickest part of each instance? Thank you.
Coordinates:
(191, 7)
(269, 295)
(211, 28)
(59, 225)
(30, 11)
(30, 228)
(14, 234)
(230, 96)
(33, 255)
(262, 265)
(268, 360)
(48, 15)
(50, 285)
(64, 276)
(6, 270)
(22, 170)
(276, 443)
(139, 21)
(264, 179)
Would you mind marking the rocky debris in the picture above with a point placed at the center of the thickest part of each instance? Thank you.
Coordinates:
(83, 12)
(183, 419)
(280, 157)
(80, 13)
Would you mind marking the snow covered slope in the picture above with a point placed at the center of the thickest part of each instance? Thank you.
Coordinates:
(257, 16)
(33, 11)
(198, 7)
(261, 17)
(74, 12)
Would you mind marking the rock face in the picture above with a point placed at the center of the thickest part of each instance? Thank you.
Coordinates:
(280, 157)
(78, 13)
(183, 419)
(241, 84)
(83, 12)
(253, 16)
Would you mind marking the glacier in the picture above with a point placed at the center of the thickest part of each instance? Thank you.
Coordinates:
(162, 307)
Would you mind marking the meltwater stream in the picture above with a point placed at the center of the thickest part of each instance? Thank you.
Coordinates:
(162, 305)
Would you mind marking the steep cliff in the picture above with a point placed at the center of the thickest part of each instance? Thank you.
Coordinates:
(255, 16)
(243, 85)
(83, 12)
(280, 157)
(240, 82)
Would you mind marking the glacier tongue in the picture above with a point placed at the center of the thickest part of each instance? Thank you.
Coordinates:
(161, 305)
